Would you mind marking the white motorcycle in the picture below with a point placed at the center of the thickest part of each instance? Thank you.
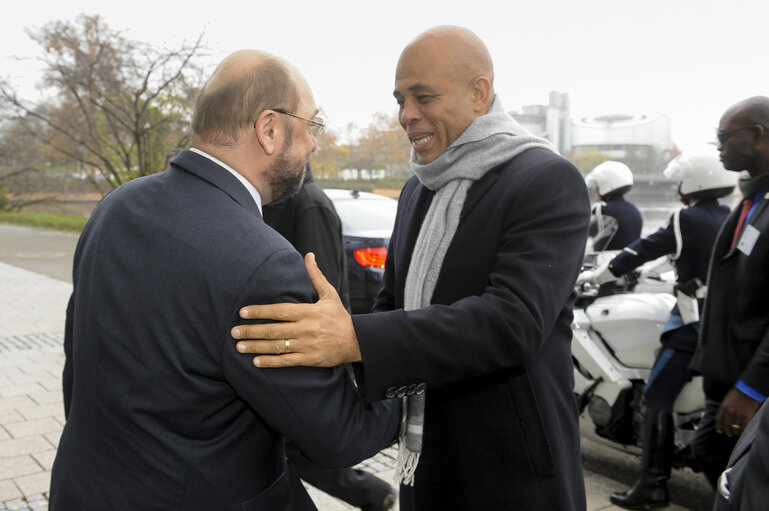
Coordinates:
(615, 337)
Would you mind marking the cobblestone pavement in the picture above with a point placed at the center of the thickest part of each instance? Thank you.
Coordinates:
(32, 310)
(32, 313)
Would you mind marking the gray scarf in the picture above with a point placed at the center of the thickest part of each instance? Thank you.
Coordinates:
(489, 141)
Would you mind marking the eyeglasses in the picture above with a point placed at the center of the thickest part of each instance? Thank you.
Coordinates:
(723, 136)
(316, 123)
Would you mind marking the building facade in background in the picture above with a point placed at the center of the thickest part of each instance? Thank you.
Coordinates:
(641, 140)
(551, 121)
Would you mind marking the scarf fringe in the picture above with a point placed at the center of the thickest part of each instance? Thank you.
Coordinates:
(406, 465)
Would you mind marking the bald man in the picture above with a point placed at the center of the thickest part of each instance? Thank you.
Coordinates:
(471, 328)
(733, 355)
(162, 412)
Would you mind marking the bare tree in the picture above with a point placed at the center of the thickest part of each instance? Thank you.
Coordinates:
(381, 145)
(117, 107)
(23, 159)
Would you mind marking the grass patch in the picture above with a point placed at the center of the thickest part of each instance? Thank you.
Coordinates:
(72, 223)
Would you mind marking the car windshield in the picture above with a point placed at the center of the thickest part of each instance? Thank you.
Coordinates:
(362, 214)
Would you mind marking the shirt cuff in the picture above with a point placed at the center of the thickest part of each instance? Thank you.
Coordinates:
(750, 391)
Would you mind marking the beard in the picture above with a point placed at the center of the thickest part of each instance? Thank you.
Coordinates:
(286, 175)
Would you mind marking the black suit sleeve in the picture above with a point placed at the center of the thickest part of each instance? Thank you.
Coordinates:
(318, 409)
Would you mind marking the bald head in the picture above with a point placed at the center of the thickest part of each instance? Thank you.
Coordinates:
(754, 110)
(459, 50)
(743, 139)
(243, 85)
(235, 66)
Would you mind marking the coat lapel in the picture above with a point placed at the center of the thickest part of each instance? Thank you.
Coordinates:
(732, 222)
(725, 249)
(762, 202)
(478, 190)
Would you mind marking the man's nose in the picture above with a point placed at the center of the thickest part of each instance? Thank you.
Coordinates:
(409, 112)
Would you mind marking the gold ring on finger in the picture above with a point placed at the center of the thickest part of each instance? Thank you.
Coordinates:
(288, 346)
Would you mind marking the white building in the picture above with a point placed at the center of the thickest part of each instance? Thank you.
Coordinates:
(551, 121)
(627, 137)
(641, 140)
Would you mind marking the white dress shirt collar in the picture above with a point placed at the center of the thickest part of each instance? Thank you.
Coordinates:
(251, 188)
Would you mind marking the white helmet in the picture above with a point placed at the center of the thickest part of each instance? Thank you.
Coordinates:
(610, 176)
(701, 176)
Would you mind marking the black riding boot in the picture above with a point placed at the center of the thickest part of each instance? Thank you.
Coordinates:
(650, 489)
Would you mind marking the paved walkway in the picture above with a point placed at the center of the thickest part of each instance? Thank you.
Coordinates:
(32, 313)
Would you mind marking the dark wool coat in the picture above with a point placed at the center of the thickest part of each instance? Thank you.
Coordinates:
(494, 349)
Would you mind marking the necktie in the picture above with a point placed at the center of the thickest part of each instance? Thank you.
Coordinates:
(746, 205)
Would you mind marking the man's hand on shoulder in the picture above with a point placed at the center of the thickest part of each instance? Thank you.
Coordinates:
(319, 334)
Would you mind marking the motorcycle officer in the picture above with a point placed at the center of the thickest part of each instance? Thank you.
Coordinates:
(615, 222)
(688, 238)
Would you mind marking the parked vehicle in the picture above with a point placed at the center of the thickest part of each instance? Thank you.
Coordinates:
(615, 336)
(367, 224)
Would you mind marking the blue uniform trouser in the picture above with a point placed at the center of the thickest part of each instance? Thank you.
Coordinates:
(669, 375)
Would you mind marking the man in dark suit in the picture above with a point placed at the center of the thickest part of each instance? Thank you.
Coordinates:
(733, 355)
(162, 413)
(472, 325)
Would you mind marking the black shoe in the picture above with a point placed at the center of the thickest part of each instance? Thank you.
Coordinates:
(387, 503)
(648, 492)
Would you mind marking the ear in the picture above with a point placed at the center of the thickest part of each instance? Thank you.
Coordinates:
(761, 145)
(269, 131)
(763, 132)
(480, 93)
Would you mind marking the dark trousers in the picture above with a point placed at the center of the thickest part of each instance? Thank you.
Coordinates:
(711, 449)
(669, 375)
(356, 487)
